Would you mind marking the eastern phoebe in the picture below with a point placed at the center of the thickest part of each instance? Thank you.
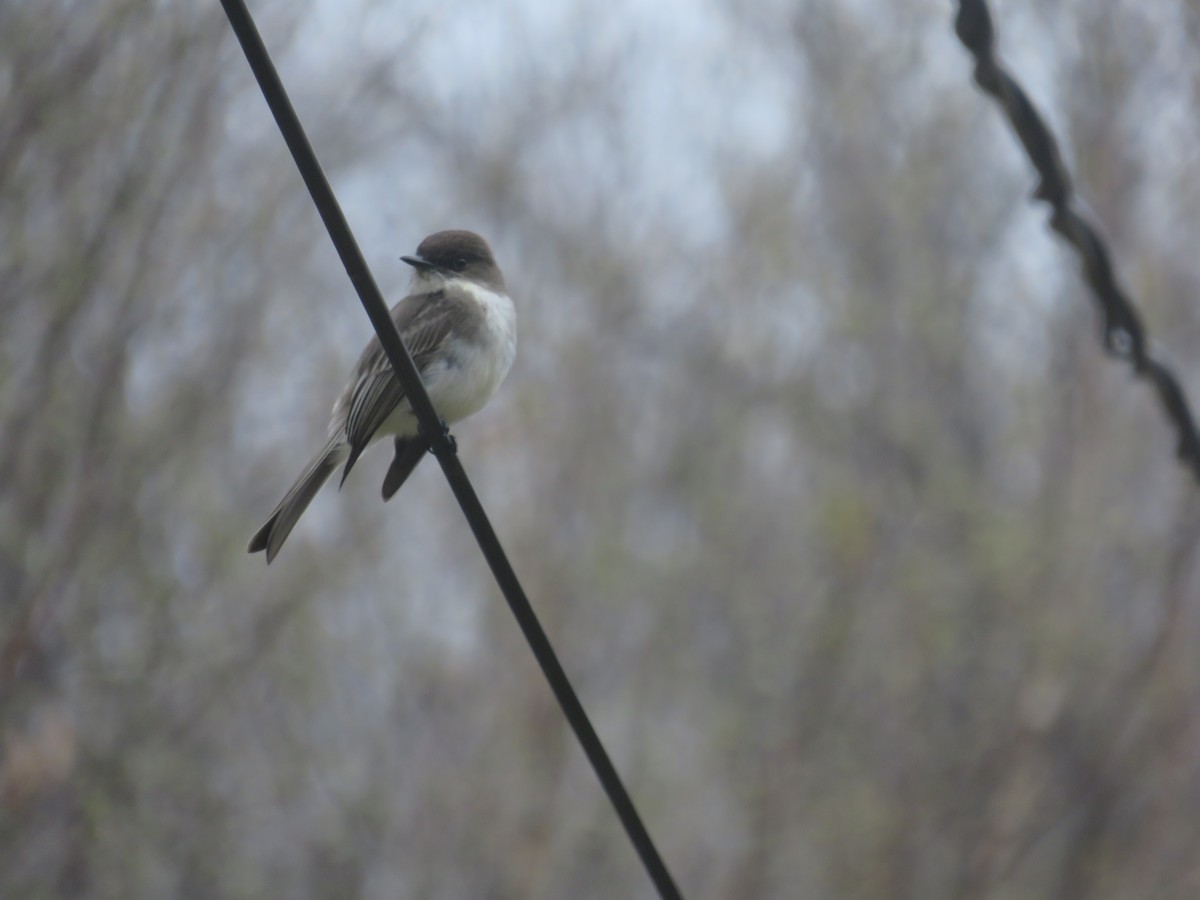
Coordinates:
(461, 329)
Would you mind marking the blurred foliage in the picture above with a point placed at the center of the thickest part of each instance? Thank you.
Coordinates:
(876, 577)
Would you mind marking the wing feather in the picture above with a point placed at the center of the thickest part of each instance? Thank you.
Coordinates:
(424, 321)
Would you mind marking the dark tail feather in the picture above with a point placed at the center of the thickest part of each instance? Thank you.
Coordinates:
(272, 535)
(409, 452)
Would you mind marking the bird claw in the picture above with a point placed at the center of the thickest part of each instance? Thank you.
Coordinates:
(447, 445)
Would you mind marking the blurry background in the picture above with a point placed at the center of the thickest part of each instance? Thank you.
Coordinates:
(878, 579)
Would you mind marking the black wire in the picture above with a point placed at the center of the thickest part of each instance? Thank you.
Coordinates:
(1124, 335)
(440, 441)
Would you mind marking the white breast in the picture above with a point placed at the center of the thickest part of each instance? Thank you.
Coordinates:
(474, 367)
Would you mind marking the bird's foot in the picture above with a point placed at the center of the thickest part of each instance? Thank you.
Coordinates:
(444, 442)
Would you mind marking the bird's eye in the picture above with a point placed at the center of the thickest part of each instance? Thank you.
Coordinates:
(459, 264)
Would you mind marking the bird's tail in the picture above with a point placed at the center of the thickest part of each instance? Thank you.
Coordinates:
(272, 535)
(409, 452)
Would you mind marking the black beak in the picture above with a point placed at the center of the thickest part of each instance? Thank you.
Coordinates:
(417, 262)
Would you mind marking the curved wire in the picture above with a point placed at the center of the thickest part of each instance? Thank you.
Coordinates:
(1124, 335)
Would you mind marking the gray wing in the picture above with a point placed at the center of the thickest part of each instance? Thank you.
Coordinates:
(424, 321)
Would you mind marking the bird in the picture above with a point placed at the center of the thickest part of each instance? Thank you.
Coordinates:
(459, 326)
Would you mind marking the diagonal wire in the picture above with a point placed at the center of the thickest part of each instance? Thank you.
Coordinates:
(441, 442)
(1124, 336)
